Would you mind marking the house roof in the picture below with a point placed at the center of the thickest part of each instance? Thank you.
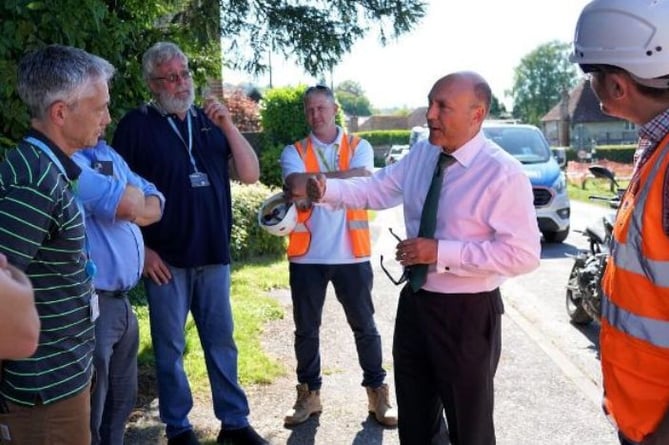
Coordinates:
(380, 122)
(583, 106)
(417, 117)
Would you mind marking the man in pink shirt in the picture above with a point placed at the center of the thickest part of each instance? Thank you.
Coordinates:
(447, 337)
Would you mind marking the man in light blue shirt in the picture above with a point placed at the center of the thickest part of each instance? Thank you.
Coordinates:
(115, 201)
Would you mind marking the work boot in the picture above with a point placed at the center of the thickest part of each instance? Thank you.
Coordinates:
(307, 404)
(379, 405)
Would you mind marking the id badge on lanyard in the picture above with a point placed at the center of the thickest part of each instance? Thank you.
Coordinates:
(197, 178)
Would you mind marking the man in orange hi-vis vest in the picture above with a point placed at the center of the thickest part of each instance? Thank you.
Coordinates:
(331, 245)
(623, 46)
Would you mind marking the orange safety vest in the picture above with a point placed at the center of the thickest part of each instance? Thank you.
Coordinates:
(357, 220)
(634, 335)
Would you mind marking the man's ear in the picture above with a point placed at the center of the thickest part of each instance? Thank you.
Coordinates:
(479, 114)
(57, 112)
(617, 85)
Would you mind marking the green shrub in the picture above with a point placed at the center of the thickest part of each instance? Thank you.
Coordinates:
(282, 116)
(248, 239)
(617, 153)
(270, 168)
(385, 137)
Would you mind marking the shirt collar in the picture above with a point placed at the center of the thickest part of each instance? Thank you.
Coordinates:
(465, 154)
(160, 110)
(322, 145)
(72, 170)
(655, 129)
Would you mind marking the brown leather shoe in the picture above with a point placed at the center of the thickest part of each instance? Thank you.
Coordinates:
(307, 404)
(379, 405)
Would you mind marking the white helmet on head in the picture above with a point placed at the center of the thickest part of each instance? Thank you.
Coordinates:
(277, 215)
(629, 34)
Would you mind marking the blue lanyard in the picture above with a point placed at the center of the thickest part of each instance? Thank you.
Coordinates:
(90, 267)
(189, 146)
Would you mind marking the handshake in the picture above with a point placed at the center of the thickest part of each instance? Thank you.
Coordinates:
(304, 189)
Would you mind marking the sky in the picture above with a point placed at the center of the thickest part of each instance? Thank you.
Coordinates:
(487, 36)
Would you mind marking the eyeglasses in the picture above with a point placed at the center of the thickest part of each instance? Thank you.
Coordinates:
(175, 77)
(405, 273)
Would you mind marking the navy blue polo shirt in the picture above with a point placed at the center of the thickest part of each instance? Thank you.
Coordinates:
(195, 227)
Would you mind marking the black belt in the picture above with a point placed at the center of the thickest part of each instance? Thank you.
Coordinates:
(112, 293)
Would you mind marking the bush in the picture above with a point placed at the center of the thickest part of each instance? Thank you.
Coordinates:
(385, 137)
(282, 115)
(244, 111)
(248, 239)
(270, 168)
(617, 153)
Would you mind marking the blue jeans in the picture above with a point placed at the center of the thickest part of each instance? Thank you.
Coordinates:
(115, 360)
(353, 288)
(205, 292)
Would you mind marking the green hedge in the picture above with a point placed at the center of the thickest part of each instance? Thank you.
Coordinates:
(248, 239)
(617, 153)
(385, 137)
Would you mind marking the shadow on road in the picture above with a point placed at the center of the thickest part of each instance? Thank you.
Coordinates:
(591, 332)
(557, 250)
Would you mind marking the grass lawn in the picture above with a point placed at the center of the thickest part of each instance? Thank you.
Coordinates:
(593, 186)
(251, 280)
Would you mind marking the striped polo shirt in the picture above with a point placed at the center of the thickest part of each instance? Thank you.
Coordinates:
(42, 233)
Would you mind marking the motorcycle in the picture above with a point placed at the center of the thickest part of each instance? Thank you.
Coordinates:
(584, 292)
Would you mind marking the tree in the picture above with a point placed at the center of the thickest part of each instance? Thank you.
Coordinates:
(119, 31)
(497, 108)
(352, 99)
(540, 79)
(314, 34)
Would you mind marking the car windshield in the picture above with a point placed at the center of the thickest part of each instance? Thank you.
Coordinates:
(525, 144)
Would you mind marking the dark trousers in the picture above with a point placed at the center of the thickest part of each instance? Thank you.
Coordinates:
(446, 349)
(353, 287)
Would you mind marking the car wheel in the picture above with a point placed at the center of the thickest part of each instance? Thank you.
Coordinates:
(556, 237)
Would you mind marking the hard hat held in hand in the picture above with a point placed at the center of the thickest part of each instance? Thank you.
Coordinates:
(277, 215)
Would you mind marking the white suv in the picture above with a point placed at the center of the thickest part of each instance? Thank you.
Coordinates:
(528, 144)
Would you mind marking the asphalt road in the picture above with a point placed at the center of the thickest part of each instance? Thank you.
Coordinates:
(547, 388)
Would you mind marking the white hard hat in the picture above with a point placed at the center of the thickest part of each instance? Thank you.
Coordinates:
(277, 215)
(629, 34)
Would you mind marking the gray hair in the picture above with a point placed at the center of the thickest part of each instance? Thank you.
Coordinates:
(58, 72)
(158, 54)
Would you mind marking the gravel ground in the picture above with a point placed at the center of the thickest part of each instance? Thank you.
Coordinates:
(344, 419)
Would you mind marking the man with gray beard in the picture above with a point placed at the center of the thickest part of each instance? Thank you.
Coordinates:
(186, 151)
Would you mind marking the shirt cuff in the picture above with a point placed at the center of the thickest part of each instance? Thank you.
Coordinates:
(448, 255)
(332, 191)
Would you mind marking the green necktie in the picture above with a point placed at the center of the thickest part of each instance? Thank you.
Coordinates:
(428, 219)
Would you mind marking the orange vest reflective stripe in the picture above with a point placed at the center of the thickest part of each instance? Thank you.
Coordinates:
(634, 335)
(357, 220)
